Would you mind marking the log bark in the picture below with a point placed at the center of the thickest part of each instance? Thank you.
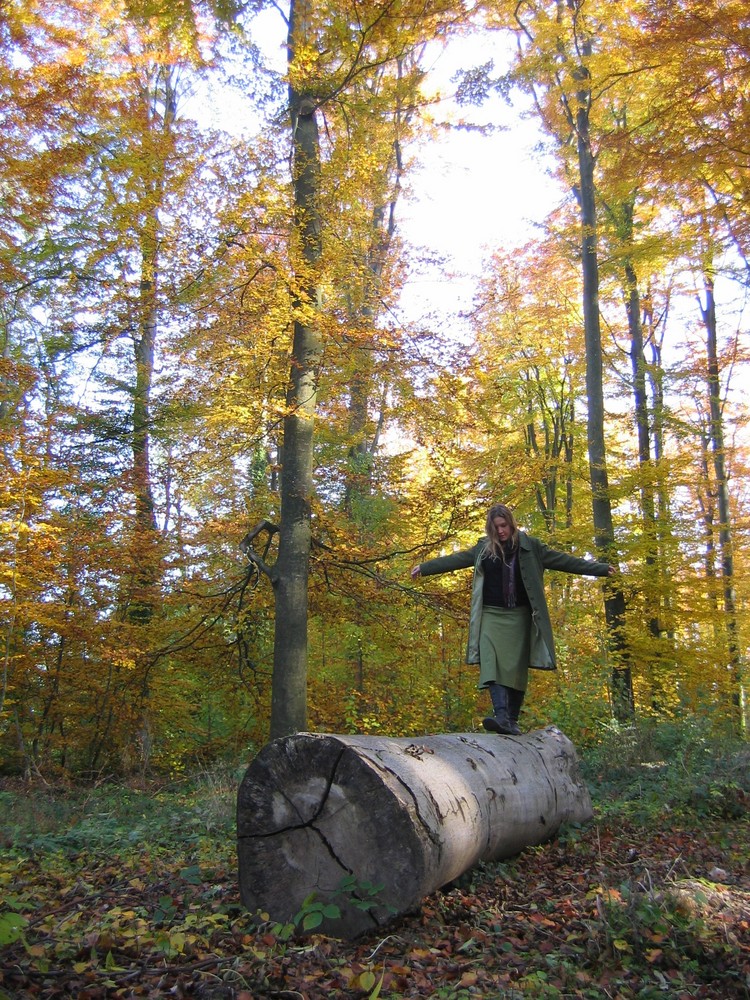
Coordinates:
(409, 815)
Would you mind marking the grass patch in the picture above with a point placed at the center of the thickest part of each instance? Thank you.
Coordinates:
(112, 816)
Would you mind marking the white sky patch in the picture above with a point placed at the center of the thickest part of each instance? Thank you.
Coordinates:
(471, 192)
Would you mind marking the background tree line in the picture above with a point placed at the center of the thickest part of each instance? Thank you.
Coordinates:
(202, 344)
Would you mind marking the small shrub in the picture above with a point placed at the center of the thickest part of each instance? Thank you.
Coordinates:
(647, 769)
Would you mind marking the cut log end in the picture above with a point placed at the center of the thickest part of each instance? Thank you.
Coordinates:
(371, 825)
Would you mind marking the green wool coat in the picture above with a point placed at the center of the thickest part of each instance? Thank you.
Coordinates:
(533, 558)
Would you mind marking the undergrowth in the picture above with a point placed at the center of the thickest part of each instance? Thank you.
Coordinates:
(115, 815)
(649, 771)
(131, 890)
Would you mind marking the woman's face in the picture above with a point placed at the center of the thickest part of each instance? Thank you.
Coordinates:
(502, 528)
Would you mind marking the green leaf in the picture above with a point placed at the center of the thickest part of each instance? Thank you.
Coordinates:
(11, 927)
(311, 920)
(110, 964)
(192, 875)
(376, 992)
(367, 980)
(178, 940)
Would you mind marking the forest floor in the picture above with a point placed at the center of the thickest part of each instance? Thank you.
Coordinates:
(125, 891)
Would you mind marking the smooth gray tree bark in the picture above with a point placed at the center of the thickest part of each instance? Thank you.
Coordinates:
(708, 313)
(290, 579)
(623, 700)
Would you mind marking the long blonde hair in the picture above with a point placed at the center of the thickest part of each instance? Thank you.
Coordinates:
(493, 547)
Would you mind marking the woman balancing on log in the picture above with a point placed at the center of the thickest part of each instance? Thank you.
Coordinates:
(509, 624)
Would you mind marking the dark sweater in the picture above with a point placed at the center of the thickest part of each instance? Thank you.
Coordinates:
(494, 594)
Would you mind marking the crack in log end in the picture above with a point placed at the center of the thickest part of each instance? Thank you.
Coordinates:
(332, 852)
(274, 795)
(472, 764)
(329, 786)
(514, 777)
(542, 820)
(332, 892)
(281, 795)
(285, 805)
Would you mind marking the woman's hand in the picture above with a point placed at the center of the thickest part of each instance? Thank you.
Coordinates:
(416, 571)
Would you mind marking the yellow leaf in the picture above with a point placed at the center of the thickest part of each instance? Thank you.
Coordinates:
(419, 953)
(366, 980)
(177, 941)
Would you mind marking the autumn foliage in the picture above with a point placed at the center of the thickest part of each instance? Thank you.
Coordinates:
(151, 276)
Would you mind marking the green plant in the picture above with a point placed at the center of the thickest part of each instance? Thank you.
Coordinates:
(368, 982)
(661, 767)
(12, 926)
(351, 892)
(311, 914)
(360, 895)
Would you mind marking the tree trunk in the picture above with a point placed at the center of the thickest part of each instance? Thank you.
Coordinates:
(640, 404)
(141, 605)
(663, 515)
(614, 600)
(289, 690)
(339, 816)
(159, 99)
(361, 452)
(708, 313)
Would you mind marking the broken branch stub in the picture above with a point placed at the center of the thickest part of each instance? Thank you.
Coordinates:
(336, 817)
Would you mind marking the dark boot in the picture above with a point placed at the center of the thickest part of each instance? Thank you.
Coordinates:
(515, 700)
(500, 722)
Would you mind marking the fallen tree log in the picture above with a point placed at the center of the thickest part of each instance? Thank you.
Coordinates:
(338, 816)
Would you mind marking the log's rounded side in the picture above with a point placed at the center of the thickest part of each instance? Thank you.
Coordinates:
(482, 797)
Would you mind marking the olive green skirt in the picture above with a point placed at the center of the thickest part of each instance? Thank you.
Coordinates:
(505, 647)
